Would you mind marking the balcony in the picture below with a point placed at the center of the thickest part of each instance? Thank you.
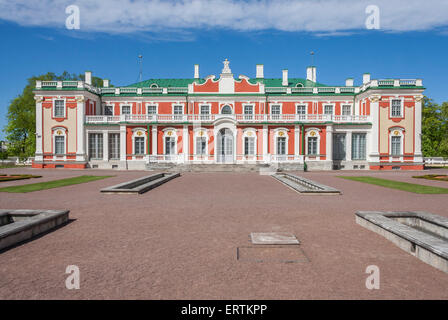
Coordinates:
(240, 118)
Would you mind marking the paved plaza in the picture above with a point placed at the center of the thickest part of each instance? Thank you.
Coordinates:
(180, 240)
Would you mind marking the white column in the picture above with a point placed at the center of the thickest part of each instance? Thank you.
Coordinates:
(122, 143)
(329, 143)
(296, 140)
(154, 140)
(348, 146)
(39, 152)
(80, 134)
(374, 154)
(185, 140)
(265, 143)
(105, 145)
(418, 130)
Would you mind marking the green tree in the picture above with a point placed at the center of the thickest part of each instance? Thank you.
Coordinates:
(434, 129)
(21, 128)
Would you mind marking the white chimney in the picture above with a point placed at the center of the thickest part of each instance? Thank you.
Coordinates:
(365, 78)
(105, 83)
(88, 77)
(285, 77)
(260, 72)
(311, 73)
(349, 82)
(196, 71)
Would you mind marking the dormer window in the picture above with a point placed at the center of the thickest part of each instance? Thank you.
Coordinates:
(154, 85)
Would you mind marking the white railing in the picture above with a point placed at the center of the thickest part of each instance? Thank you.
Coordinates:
(286, 158)
(255, 118)
(175, 158)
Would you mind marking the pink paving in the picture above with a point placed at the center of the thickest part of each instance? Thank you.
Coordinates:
(179, 241)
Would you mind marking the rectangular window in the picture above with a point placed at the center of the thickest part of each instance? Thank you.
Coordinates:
(178, 110)
(114, 146)
(59, 145)
(152, 109)
(395, 146)
(396, 108)
(201, 145)
(248, 109)
(346, 110)
(281, 145)
(96, 145)
(275, 112)
(170, 145)
(249, 146)
(126, 110)
(205, 109)
(301, 109)
(312, 145)
(358, 146)
(139, 145)
(108, 110)
(59, 108)
(328, 109)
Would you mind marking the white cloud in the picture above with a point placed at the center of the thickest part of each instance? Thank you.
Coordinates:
(330, 17)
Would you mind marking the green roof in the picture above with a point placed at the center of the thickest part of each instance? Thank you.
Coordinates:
(272, 82)
(165, 83)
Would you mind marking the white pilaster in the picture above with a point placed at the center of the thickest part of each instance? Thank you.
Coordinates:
(374, 154)
(105, 145)
(418, 129)
(39, 152)
(329, 143)
(348, 146)
(80, 134)
(265, 143)
(122, 143)
(154, 140)
(185, 140)
(296, 140)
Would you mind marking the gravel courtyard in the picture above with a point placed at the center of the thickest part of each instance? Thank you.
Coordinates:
(179, 241)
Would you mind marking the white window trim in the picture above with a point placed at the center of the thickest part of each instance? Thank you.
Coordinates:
(252, 105)
(245, 134)
(148, 104)
(317, 132)
(301, 104)
(124, 104)
(275, 104)
(328, 104)
(63, 134)
(65, 107)
(208, 105)
(177, 104)
(346, 105)
(401, 107)
(197, 135)
(165, 134)
(286, 135)
(401, 132)
(224, 105)
(145, 143)
(109, 105)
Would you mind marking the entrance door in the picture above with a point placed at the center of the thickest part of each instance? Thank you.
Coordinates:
(224, 148)
(339, 146)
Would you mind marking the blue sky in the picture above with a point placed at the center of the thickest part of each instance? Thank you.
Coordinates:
(33, 47)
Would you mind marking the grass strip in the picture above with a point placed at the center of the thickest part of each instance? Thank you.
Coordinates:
(51, 184)
(398, 185)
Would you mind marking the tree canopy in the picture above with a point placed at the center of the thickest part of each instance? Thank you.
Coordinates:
(21, 128)
(434, 128)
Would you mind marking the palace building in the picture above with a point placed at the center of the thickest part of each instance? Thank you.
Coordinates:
(283, 121)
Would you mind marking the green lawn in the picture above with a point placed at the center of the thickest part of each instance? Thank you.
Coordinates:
(404, 186)
(51, 184)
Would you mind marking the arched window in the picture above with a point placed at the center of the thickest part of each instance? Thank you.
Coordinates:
(226, 110)
(154, 85)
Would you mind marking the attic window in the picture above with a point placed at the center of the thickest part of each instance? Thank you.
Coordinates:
(299, 85)
(154, 85)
